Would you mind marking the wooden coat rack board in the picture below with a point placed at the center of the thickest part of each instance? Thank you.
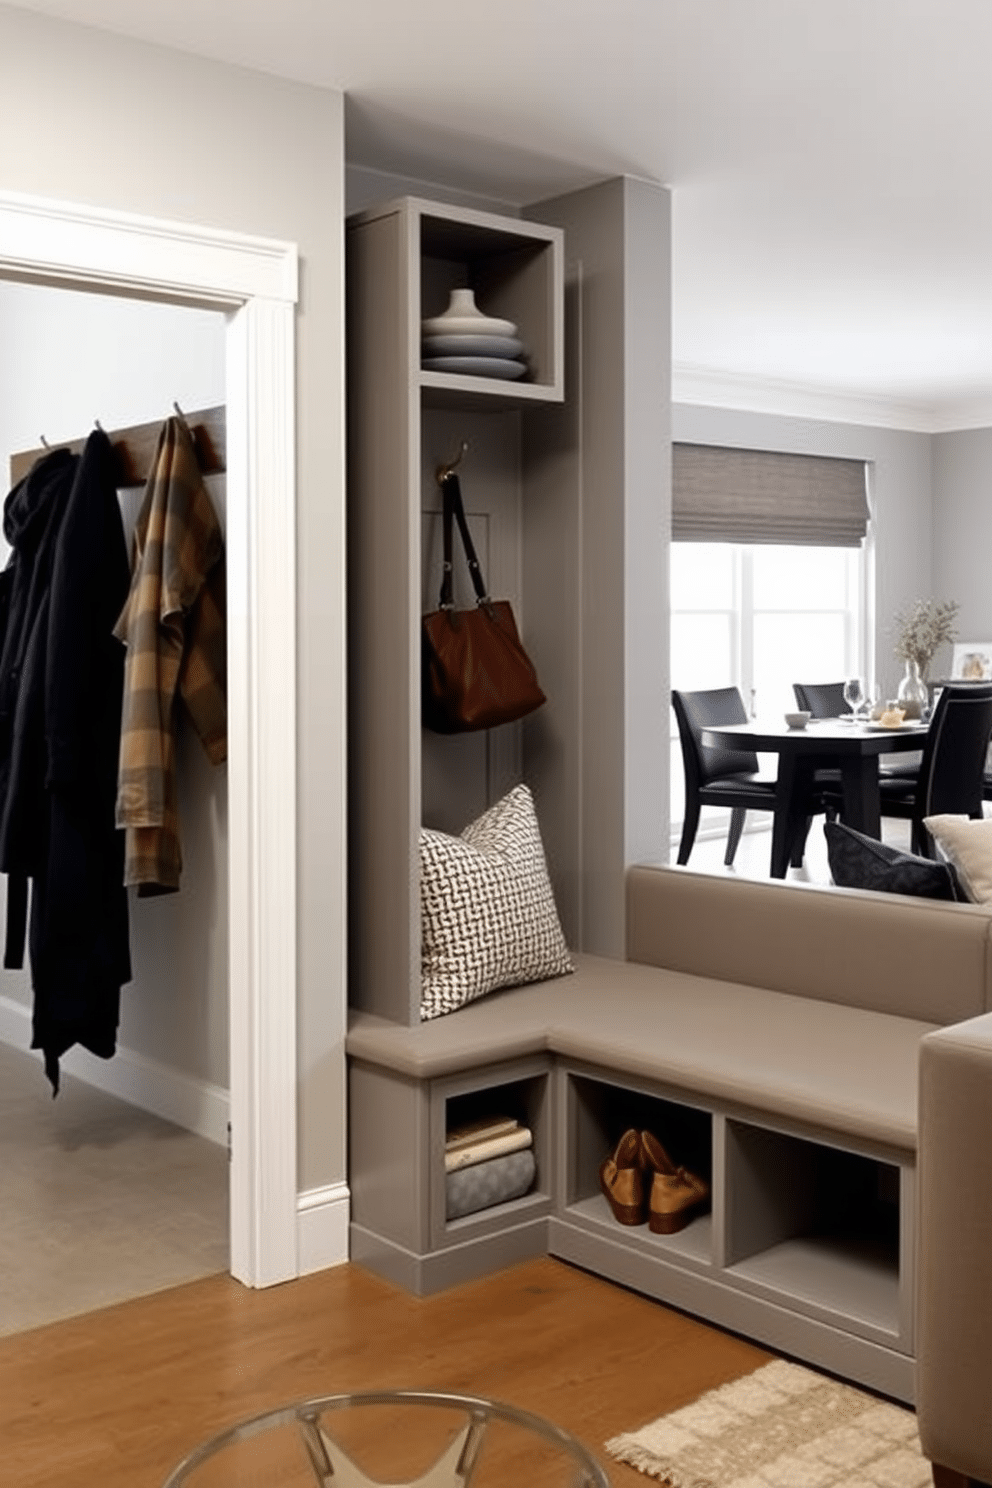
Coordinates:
(134, 448)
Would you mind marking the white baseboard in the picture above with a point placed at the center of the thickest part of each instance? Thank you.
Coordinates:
(322, 1217)
(194, 1104)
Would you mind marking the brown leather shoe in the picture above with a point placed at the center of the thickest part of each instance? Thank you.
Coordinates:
(675, 1192)
(622, 1181)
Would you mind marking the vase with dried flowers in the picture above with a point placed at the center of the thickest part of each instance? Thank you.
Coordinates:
(920, 632)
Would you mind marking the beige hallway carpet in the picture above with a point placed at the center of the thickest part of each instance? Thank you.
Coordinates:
(99, 1201)
(783, 1426)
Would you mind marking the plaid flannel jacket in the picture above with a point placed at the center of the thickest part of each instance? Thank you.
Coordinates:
(174, 627)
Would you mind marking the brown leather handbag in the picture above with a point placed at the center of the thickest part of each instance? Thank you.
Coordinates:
(475, 673)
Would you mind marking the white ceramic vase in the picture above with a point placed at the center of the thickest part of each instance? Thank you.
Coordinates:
(463, 317)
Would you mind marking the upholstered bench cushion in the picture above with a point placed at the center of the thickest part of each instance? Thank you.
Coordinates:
(849, 1070)
(920, 958)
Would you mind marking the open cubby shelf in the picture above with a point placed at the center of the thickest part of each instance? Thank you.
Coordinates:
(514, 269)
(521, 1099)
(694, 1244)
(832, 1279)
(523, 1092)
(810, 1221)
(807, 1244)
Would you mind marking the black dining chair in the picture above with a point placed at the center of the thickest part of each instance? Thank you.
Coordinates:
(951, 776)
(821, 699)
(720, 777)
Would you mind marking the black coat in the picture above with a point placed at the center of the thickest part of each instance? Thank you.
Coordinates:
(57, 825)
(32, 519)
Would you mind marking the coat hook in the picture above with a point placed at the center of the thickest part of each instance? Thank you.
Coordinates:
(178, 409)
(98, 425)
(45, 442)
(443, 471)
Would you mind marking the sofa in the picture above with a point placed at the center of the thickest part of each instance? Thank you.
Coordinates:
(954, 1278)
(771, 1031)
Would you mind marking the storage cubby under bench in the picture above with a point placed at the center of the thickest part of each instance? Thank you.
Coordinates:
(798, 1106)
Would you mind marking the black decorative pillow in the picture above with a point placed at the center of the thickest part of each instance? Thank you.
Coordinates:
(488, 914)
(860, 862)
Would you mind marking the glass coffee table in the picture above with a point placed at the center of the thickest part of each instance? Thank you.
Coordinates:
(400, 1438)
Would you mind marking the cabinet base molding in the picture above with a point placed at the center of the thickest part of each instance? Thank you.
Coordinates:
(466, 1261)
(821, 1346)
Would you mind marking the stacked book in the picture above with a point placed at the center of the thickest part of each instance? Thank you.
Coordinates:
(487, 1162)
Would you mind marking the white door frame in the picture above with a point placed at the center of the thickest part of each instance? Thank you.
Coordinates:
(255, 280)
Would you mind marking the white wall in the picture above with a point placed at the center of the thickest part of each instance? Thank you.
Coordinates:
(962, 527)
(67, 359)
(89, 117)
(901, 495)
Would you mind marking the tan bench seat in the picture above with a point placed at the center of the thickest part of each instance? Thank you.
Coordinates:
(847, 1069)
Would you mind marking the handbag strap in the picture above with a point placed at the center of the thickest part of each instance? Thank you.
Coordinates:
(454, 510)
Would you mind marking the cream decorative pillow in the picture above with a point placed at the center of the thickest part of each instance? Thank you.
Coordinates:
(488, 914)
(967, 846)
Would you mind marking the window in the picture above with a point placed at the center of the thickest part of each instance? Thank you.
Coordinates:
(761, 617)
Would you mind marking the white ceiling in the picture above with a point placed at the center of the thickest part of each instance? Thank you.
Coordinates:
(829, 160)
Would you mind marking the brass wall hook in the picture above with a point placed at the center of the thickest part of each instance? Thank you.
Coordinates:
(443, 471)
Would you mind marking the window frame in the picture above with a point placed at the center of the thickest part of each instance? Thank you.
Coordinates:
(859, 648)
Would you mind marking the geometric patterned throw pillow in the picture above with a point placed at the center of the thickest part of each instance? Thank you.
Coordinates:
(488, 915)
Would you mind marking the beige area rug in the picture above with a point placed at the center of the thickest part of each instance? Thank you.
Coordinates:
(781, 1427)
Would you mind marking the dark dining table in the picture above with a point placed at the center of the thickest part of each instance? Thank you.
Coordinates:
(825, 743)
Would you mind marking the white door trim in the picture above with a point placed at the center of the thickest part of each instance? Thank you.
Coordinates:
(256, 280)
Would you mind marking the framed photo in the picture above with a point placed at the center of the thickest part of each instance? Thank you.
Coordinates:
(972, 661)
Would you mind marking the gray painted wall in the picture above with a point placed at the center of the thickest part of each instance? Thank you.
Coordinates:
(962, 527)
(901, 490)
(139, 358)
(95, 118)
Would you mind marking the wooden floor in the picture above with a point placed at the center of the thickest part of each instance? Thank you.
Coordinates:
(116, 1398)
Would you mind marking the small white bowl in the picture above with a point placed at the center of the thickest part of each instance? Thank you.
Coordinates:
(798, 720)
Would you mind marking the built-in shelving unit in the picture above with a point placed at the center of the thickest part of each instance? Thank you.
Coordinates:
(808, 1245)
(404, 259)
(805, 1245)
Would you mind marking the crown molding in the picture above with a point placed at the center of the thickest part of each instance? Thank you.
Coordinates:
(973, 413)
(710, 388)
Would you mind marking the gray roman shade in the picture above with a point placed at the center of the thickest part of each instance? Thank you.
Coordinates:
(761, 496)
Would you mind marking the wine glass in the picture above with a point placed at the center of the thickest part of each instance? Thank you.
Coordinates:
(854, 696)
